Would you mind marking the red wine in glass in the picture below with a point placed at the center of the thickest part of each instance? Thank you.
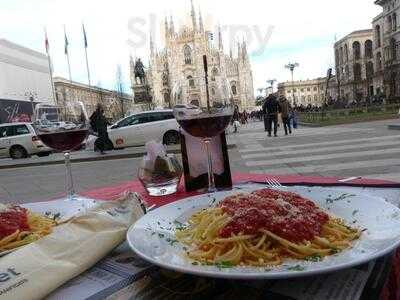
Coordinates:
(205, 126)
(63, 128)
(64, 140)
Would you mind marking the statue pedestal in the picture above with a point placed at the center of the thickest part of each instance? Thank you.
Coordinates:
(141, 93)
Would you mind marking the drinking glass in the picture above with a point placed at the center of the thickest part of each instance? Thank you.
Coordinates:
(204, 117)
(63, 128)
(162, 176)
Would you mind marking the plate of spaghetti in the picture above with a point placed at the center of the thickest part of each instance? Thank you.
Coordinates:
(260, 233)
(20, 226)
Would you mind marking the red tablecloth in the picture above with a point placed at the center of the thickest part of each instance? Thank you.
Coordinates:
(112, 192)
(392, 286)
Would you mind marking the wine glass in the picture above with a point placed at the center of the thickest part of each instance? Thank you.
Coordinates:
(63, 128)
(204, 117)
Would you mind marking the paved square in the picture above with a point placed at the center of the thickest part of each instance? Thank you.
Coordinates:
(363, 149)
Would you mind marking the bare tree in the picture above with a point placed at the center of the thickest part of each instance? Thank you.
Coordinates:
(120, 88)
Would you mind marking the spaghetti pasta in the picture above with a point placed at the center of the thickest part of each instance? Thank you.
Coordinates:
(19, 227)
(263, 228)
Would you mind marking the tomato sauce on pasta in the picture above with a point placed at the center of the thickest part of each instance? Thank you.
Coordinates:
(13, 219)
(283, 213)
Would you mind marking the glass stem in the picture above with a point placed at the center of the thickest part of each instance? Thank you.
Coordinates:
(211, 180)
(69, 182)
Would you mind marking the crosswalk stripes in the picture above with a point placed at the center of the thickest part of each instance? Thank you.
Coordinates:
(335, 167)
(363, 152)
(352, 141)
(352, 147)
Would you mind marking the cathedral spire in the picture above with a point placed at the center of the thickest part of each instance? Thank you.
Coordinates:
(193, 14)
(239, 50)
(220, 43)
(244, 47)
(151, 46)
(166, 27)
(171, 25)
(201, 25)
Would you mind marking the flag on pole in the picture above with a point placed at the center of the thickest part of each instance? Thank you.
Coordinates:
(66, 42)
(47, 45)
(86, 54)
(66, 53)
(84, 36)
(46, 41)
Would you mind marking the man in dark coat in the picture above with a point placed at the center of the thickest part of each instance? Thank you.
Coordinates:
(265, 116)
(285, 112)
(99, 124)
(271, 109)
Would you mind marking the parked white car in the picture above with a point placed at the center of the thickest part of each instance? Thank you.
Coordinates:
(19, 140)
(139, 128)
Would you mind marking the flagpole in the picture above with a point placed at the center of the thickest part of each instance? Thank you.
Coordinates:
(53, 90)
(67, 54)
(86, 55)
(69, 68)
(51, 78)
(87, 67)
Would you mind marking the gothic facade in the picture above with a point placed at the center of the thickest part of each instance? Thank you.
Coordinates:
(182, 61)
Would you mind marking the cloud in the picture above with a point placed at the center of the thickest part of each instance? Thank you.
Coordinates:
(302, 30)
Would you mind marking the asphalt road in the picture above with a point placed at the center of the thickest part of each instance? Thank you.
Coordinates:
(364, 149)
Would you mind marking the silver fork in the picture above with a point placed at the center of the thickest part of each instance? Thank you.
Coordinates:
(146, 209)
(273, 183)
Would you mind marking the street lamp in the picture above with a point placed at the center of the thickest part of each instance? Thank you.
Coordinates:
(291, 67)
(271, 84)
(261, 90)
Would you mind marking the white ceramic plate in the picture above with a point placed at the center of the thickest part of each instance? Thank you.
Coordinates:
(153, 236)
(64, 208)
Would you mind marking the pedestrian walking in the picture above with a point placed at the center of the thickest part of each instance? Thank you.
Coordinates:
(294, 118)
(271, 109)
(245, 117)
(236, 126)
(285, 113)
(264, 116)
(99, 123)
(235, 119)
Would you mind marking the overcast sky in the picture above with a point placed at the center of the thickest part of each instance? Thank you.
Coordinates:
(301, 31)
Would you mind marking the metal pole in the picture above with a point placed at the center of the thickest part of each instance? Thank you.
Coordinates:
(50, 66)
(67, 54)
(87, 67)
(51, 79)
(294, 100)
(69, 68)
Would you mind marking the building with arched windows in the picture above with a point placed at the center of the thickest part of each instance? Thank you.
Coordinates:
(182, 61)
(310, 92)
(387, 51)
(355, 65)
